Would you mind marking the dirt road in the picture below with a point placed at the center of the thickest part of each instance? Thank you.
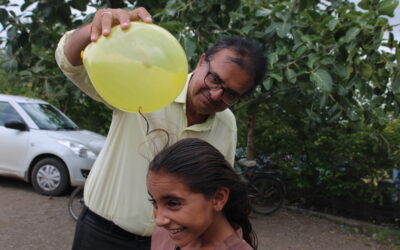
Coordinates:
(31, 221)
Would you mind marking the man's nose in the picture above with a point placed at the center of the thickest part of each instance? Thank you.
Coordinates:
(160, 218)
(216, 94)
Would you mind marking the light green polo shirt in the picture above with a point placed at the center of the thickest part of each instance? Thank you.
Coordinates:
(116, 187)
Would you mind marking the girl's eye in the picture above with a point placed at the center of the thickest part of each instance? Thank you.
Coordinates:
(153, 202)
(174, 204)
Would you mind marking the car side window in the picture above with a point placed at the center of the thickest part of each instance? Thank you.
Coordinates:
(7, 112)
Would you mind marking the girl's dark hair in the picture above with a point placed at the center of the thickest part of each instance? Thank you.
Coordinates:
(204, 169)
(250, 56)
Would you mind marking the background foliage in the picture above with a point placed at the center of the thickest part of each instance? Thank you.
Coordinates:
(331, 94)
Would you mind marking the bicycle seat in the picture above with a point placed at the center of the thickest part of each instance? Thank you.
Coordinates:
(247, 163)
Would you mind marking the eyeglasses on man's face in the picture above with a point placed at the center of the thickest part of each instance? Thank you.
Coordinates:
(214, 82)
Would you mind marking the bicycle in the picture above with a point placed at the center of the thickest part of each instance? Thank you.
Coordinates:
(75, 202)
(266, 191)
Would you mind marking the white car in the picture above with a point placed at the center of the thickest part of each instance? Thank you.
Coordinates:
(41, 145)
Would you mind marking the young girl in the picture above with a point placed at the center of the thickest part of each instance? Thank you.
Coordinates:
(199, 201)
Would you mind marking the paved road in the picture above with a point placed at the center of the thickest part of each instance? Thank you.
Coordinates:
(32, 221)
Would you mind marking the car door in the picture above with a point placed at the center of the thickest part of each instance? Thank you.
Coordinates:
(13, 143)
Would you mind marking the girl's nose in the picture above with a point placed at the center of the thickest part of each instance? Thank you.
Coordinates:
(160, 218)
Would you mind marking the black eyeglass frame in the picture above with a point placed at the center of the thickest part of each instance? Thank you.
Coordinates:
(229, 96)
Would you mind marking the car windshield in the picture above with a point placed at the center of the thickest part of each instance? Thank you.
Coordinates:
(47, 117)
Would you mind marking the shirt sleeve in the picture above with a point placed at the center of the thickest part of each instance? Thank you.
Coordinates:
(232, 148)
(77, 74)
(230, 122)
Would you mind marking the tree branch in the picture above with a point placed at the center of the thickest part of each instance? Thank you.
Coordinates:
(264, 95)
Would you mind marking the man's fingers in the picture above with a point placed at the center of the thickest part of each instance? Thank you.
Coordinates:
(105, 19)
(124, 19)
(141, 14)
(95, 28)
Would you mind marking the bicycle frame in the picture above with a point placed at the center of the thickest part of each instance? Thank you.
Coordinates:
(266, 191)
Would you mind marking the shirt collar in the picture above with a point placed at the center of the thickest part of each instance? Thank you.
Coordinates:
(182, 96)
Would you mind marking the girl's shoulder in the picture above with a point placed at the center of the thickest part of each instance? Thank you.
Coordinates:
(236, 242)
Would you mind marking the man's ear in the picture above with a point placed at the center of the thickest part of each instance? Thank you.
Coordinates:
(201, 60)
(220, 198)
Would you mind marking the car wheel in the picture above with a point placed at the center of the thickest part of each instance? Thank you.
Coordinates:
(49, 177)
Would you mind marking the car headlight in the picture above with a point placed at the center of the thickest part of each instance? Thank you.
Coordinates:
(79, 149)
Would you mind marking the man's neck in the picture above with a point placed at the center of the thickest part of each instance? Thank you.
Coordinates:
(194, 117)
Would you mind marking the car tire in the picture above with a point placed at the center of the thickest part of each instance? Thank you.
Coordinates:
(49, 177)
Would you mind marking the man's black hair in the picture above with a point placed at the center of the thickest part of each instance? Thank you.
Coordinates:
(250, 56)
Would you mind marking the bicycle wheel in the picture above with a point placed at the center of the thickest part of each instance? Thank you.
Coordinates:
(75, 202)
(266, 194)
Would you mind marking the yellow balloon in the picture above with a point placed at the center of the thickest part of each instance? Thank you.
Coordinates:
(141, 69)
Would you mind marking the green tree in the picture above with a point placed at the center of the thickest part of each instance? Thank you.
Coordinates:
(325, 61)
(333, 70)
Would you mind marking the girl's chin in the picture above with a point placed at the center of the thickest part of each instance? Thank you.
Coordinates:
(181, 243)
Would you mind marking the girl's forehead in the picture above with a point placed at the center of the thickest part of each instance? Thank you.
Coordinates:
(163, 180)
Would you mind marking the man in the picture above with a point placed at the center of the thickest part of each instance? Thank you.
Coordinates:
(118, 214)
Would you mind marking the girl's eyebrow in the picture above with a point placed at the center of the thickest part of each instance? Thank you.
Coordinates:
(171, 197)
(167, 197)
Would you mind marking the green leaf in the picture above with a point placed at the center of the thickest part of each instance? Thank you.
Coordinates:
(38, 68)
(3, 16)
(342, 91)
(171, 25)
(25, 73)
(300, 51)
(332, 24)
(271, 28)
(327, 60)
(366, 70)
(12, 33)
(283, 29)
(276, 77)
(233, 5)
(189, 46)
(390, 42)
(291, 75)
(10, 65)
(267, 83)
(322, 101)
(396, 84)
(170, 12)
(313, 116)
(387, 7)
(25, 5)
(333, 109)
(340, 69)
(364, 4)
(323, 80)
(335, 117)
(273, 58)
(398, 56)
(312, 59)
(247, 29)
(352, 33)
(263, 12)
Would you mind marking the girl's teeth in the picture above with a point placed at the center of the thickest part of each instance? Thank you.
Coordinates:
(175, 231)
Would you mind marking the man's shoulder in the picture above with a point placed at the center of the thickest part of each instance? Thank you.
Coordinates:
(227, 118)
(226, 114)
